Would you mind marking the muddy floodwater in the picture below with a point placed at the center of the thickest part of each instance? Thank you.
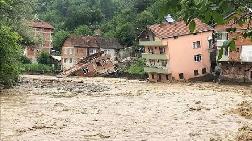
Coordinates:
(45, 108)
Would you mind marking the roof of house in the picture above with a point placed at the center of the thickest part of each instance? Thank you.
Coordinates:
(179, 28)
(107, 43)
(94, 42)
(41, 24)
(233, 24)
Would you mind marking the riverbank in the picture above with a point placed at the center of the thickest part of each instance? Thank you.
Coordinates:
(50, 108)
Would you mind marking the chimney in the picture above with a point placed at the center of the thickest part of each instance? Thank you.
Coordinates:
(169, 19)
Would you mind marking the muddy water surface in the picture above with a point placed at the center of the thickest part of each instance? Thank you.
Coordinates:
(46, 108)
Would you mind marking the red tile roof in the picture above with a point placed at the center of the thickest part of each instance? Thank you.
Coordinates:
(179, 28)
(41, 24)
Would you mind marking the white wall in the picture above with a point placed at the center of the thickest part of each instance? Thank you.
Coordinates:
(246, 53)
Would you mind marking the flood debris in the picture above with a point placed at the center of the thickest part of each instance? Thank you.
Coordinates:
(97, 64)
(245, 134)
(244, 109)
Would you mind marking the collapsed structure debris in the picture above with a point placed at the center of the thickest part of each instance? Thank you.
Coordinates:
(235, 64)
(93, 65)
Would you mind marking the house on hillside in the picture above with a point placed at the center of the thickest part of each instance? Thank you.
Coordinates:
(173, 53)
(235, 64)
(75, 48)
(42, 31)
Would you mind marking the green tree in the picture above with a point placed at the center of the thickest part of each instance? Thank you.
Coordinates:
(10, 52)
(126, 34)
(83, 30)
(13, 16)
(59, 39)
(25, 60)
(44, 58)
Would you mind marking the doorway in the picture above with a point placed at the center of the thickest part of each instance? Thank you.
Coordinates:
(159, 77)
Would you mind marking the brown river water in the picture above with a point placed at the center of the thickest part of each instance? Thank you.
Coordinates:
(46, 108)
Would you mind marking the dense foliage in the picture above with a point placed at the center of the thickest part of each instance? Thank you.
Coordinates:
(44, 58)
(13, 34)
(9, 58)
(122, 19)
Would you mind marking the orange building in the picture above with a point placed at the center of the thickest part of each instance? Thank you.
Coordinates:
(172, 52)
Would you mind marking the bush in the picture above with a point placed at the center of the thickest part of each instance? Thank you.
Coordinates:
(44, 58)
(137, 68)
(25, 60)
(37, 68)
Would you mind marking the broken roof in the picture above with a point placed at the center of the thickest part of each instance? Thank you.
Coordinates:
(179, 28)
(94, 42)
(41, 24)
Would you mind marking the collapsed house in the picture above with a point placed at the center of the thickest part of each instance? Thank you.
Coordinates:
(89, 55)
(93, 65)
(235, 64)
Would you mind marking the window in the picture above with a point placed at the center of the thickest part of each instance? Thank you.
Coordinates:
(70, 51)
(181, 76)
(197, 58)
(71, 60)
(226, 51)
(151, 50)
(196, 44)
(204, 71)
(152, 76)
(162, 50)
(152, 62)
(92, 51)
(159, 77)
(222, 36)
(164, 63)
(65, 60)
(196, 72)
(167, 77)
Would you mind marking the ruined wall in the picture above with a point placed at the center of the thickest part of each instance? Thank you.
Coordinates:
(237, 71)
(241, 41)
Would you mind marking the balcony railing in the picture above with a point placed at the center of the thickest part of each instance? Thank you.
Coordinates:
(151, 43)
(149, 69)
(154, 56)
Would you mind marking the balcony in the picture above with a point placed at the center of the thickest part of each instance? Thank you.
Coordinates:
(150, 69)
(151, 43)
(148, 56)
(220, 43)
